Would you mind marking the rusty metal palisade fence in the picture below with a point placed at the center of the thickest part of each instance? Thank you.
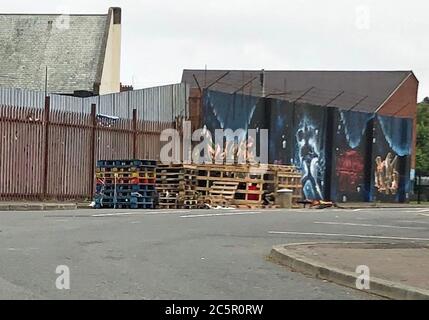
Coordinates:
(49, 146)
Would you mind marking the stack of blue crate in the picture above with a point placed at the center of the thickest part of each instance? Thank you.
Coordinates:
(125, 184)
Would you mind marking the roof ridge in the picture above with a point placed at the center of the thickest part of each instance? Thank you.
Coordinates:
(268, 70)
(365, 90)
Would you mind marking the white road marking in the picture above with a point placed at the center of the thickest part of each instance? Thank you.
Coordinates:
(416, 210)
(410, 221)
(305, 210)
(137, 213)
(218, 214)
(115, 214)
(423, 214)
(345, 235)
(367, 225)
(319, 211)
(19, 249)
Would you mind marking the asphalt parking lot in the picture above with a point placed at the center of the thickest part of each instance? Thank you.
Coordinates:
(183, 254)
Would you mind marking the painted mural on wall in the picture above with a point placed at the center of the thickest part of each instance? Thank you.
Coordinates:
(350, 166)
(391, 156)
(281, 137)
(351, 155)
(386, 174)
(309, 150)
(233, 111)
(366, 158)
(223, 110)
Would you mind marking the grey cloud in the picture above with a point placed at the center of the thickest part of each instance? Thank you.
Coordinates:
(162, 37)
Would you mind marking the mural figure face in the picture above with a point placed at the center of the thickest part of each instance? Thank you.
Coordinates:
(378, 161)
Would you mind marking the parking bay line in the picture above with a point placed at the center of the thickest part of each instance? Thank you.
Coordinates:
(218, 214)
(411, 221)
(367, 225)
(346, 235)
(416, 210)
(135, 213)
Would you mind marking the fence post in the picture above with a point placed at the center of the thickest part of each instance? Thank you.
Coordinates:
(92, 150)
(46, 147)
(134, 133)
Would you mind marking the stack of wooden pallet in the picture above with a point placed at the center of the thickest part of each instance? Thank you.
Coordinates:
(134, 184)
(247, 190)
(188, 196)
(288, 177)
(168, 179)
(128, 184)
(251, 184)
(175, 184)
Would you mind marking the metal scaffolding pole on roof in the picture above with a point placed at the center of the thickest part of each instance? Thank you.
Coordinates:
(358, 103)
(303, 95)
(335, 98)
(218, 79)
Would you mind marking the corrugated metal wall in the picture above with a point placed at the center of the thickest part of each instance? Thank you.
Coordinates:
(153, 104)
(50, 151)
(163, 103)
(21, 98)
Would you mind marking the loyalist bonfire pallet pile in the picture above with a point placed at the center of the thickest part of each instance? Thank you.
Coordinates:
(246, 186)
(125, 184)
(175, 184)
(145, 184)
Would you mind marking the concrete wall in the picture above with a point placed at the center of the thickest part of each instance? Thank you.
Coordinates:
(110, 78)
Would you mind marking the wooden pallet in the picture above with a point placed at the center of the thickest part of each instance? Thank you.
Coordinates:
(289, 180)
(244, 175)
(167, 206)
(125, 184)
(222, 192)
(190, 204)
(180, 180)
(208, 174)
(265, 179)
(243, 186)
(167, 200)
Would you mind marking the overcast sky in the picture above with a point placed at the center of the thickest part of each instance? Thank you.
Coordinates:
(161, 38)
